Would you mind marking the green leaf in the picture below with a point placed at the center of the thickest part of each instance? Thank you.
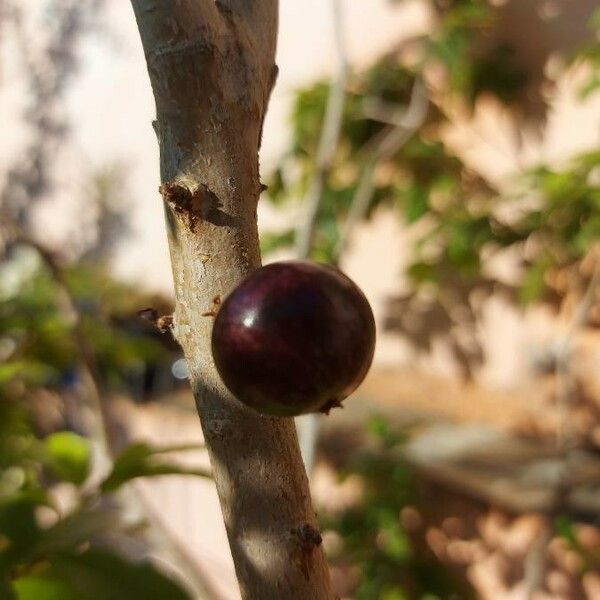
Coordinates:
(19, 531)
(460, 249)
(69, 456)
(421, 272)
(393, 594)
(98, 574)
(533, 283)
(78, 527)
(564, 527)
(269, 242)
(30, 370)
(41, 588)
(590, 86)
(378, 426)
(142, 460)
(415, 203)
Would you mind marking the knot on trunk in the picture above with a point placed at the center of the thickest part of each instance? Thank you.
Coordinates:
(201, 204)
(163, 323)
(305, 540)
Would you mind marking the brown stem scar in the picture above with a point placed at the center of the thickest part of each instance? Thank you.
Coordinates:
(330, 405)
(202, 204)
(309, 537)
(306, 540)
(214, 309)
(163, 323)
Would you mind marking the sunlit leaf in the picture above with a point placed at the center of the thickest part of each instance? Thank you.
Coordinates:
(69, 456)
(142, 460)
(35, 587)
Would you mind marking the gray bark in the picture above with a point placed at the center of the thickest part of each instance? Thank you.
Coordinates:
(211, 65)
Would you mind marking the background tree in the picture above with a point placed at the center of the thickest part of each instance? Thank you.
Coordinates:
(391, 156)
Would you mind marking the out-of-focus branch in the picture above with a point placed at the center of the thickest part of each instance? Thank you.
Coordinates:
(88, 370)
(328, 142)
(47, 75)
(308, 425)
(535, 560)
(403, 123)
(193, 569)
(564, 383)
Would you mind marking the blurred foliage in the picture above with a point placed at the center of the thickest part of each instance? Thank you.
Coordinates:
(36, 329)
(70, 529)
(545, 221)
(47, 551)
(392, 564)
(589, 558)
(142, 460)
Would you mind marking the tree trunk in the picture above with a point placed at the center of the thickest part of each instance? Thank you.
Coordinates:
(211, 65)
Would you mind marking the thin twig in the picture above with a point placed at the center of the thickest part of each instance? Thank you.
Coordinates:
(308, 425)
(404, 122)
(194, 569)
(535, 562)
(536, 557)
(563, 355)
(328, 142)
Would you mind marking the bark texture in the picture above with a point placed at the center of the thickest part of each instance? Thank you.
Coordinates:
(211, 65)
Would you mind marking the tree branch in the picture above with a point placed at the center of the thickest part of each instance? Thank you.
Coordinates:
(328, 141)
(564, 384)
(403, 124)
(536, 559)
(211, 66)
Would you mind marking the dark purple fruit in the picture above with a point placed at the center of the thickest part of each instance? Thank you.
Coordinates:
(294, 337)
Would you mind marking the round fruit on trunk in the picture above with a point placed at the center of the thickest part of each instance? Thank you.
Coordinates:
(294, 337)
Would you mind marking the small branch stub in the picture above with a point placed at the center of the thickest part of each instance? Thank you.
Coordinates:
(163, 323)
(198, 205)
(214, 309)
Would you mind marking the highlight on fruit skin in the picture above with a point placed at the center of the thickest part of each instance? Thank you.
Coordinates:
(294, 337)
